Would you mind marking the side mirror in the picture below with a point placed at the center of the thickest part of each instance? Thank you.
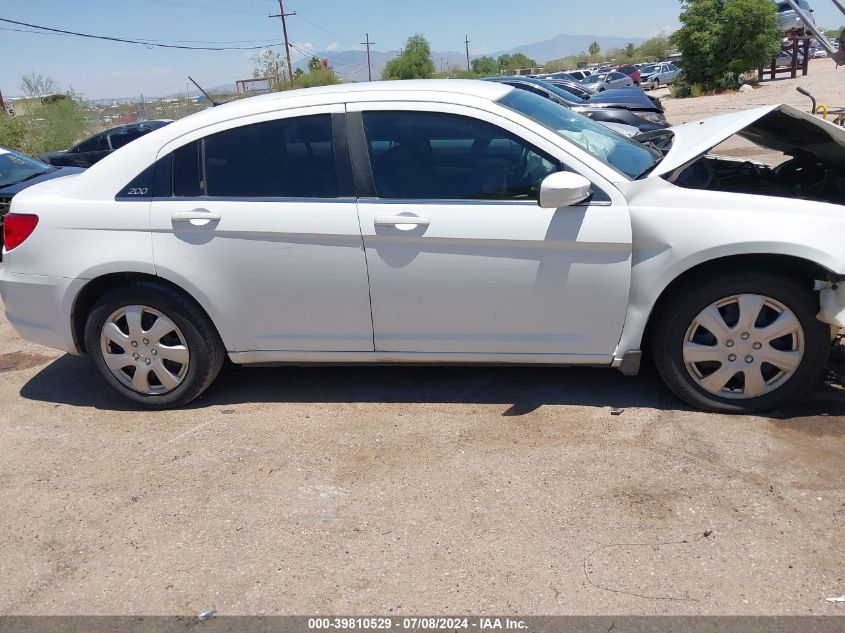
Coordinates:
(563, 189)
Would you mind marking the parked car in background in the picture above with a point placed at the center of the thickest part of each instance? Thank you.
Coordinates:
(578, 75)
(574, 87)
(458, 222)
(626, 106)
(101, 145)
(820, 54)
(789, 20)
(632, 71)
(608, 80)
(19, 171)
(656, 75)
(785, 59)
(566, 75)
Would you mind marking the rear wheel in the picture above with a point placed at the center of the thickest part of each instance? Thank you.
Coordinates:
(741, 342)
(152, 345)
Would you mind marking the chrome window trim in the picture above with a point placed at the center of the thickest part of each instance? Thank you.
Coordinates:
(199, 199)
(367, 200)
(453, 202)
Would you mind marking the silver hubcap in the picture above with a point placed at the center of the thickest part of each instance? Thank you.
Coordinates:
(743, 346)
(144, 350)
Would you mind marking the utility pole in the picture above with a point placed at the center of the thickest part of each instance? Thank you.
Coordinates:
(368, 43)
(283, 15)
(466, 42)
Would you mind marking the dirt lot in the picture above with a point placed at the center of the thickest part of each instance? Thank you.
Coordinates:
(416, 490)
(824, 81)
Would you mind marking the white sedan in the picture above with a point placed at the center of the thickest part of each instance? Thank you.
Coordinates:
(439, 222)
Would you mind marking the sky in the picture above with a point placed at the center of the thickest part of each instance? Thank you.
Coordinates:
(98, 69)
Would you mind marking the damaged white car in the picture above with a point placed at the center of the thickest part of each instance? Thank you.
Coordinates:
(440, 222)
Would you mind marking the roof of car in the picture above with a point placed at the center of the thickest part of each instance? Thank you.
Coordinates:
(144, 149)
(454, 86)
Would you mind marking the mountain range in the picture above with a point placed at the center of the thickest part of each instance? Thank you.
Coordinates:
(351, 65)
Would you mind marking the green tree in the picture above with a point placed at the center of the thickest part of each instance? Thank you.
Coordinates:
(655, 48)
(630, 50)
(721, 39)
(834, 33)
(315, 77)
(413, 63)
(33, 85)
(510, 63)
(594, 49)
(268, 63)
(485, 66)
(13, 132)
(519, 60)
(46, 124)
(315, 63)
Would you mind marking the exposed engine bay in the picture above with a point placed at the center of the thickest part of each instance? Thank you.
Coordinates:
(776, 151)
(803, 177)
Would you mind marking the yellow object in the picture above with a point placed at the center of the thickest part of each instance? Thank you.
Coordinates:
(824, 110)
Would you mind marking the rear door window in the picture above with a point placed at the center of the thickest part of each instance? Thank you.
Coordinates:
(286, 158)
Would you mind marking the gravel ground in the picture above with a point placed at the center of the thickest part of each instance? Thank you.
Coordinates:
(416, 490)
(824, 81)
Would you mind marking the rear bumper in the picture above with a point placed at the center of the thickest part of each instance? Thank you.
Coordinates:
(39, 308)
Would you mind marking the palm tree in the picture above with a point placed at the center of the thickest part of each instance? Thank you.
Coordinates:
(595, 49)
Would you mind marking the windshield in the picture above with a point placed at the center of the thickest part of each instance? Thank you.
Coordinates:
(592, 79)
(622, 154)
(15, 167)
(650, 69)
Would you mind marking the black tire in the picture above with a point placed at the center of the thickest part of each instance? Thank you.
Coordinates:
(204, 345)
(672, 324)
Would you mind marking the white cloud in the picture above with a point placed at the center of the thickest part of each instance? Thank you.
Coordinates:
(333, 46)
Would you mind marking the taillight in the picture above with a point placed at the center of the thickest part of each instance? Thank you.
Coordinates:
(17, 227)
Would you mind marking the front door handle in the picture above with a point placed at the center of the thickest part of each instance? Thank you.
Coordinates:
(196, 214)
(399, 221)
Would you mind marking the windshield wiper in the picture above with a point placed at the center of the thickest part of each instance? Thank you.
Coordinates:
(31, 176)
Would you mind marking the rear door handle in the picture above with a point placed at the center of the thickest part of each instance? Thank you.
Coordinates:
(195, 214)
(401, 220)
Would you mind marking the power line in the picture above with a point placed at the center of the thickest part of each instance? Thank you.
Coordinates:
(325, 54)
(319, 26)
(124, 40)
(144, 40)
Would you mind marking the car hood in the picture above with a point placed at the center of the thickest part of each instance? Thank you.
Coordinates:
(58, 172)
(781, 128)
(631, 97)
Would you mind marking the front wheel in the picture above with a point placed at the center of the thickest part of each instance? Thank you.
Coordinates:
(152, 345)
(741, 342)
